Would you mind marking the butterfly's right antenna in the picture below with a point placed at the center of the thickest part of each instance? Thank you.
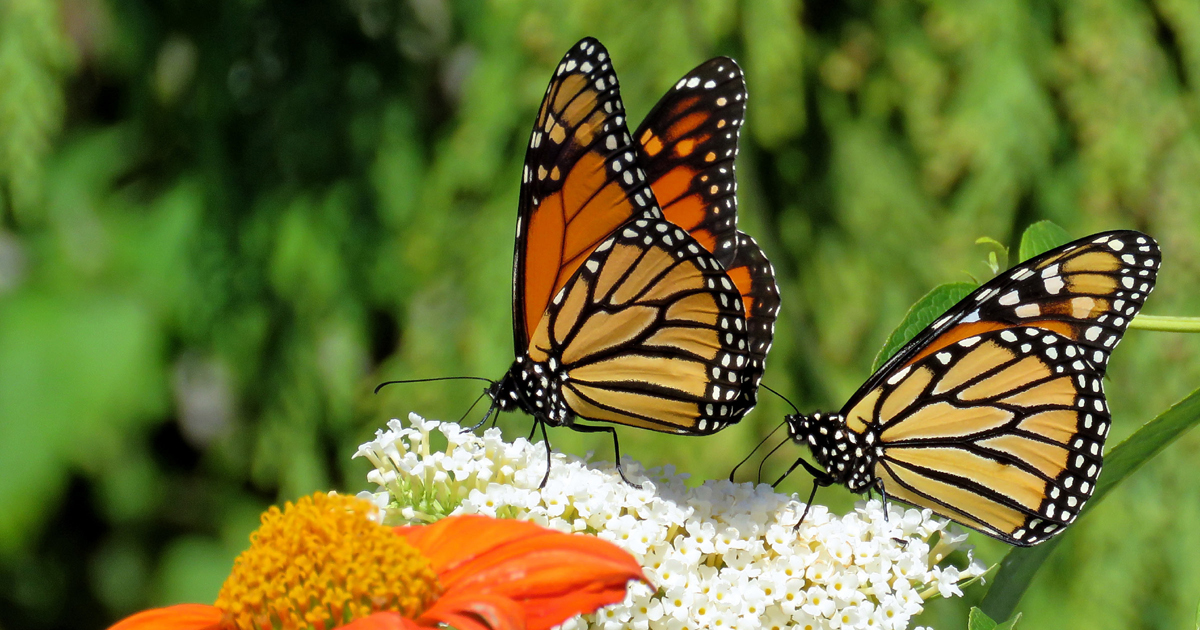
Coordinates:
(464, 416)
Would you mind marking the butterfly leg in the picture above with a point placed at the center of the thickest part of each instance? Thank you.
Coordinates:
(818, 482)
(583, 428)
(878, 485)
(821, 479)
(491, 409)
(546, 441)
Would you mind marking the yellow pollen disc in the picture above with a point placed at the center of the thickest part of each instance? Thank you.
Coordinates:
(321, 563)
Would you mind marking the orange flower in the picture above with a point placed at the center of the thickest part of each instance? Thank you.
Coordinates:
(322, 563)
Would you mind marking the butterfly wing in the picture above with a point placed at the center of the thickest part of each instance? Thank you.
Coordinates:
(1087, 291)
(579, 183)
(1001, 431)
(994, 415)
(688, 144)
(754, 278)
(646, 335)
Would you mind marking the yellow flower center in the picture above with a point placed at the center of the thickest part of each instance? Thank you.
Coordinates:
(322, 563)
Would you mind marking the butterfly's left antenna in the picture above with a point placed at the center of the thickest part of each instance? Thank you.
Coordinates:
(449, 378)
(468, 412)
(430, 380)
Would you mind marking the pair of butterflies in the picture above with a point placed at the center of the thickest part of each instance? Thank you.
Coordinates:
(636, 301)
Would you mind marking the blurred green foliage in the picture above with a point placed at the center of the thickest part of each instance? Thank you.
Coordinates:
(221, 224)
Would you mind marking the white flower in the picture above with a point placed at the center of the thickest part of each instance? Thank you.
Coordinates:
(848, 617)
(819, 603)
(793, 596)
(676, 601)
(722, 555)
(947, 581)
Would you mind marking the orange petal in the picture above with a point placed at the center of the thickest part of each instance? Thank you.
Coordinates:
(552, 575)
(476, 612)
(383, 621)
(457, 539)
(178, 617)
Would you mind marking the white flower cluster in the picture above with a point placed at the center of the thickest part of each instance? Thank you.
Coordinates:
(721, 555)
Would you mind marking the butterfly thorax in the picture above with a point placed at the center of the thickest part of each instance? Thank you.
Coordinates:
(533, 387)
(847, 456)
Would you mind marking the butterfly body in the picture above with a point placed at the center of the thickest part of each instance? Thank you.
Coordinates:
(994, 415)
(533, 387)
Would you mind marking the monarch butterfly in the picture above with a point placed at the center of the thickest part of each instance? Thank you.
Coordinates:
(627, 311)
(994, 415)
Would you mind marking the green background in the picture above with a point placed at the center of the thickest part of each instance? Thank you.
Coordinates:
(222, 223)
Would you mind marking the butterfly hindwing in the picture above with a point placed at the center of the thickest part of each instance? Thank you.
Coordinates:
(645, 335)
(688, 143)
(754, 277)
(580, 181)
(1002, 432)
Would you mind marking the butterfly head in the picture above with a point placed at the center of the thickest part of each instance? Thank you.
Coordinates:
(504, 393)
(533, 387)
(847, 456)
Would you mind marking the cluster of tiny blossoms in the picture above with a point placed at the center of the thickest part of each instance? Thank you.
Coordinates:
(722, 555)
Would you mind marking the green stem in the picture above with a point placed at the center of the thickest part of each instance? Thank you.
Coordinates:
(1164, 323)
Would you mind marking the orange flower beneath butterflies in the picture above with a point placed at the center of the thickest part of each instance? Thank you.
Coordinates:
(322, 563)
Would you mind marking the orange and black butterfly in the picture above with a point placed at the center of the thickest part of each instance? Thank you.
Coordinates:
(994, 416)
(628, 309)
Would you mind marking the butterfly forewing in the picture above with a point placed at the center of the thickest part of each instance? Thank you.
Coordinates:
(1088, 291)
(1002, 432)
(580, 181)
(646, 336)
(689, 141)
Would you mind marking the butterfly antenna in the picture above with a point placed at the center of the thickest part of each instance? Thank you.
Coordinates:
(430, 380)
(781, 396)
(464, 416)
(751, 453)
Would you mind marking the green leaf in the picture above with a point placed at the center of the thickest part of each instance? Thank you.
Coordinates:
(1011, 623)
(1042, 237)
(998, 257)
(1022, 563)
(978, 620)
(921, 315)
